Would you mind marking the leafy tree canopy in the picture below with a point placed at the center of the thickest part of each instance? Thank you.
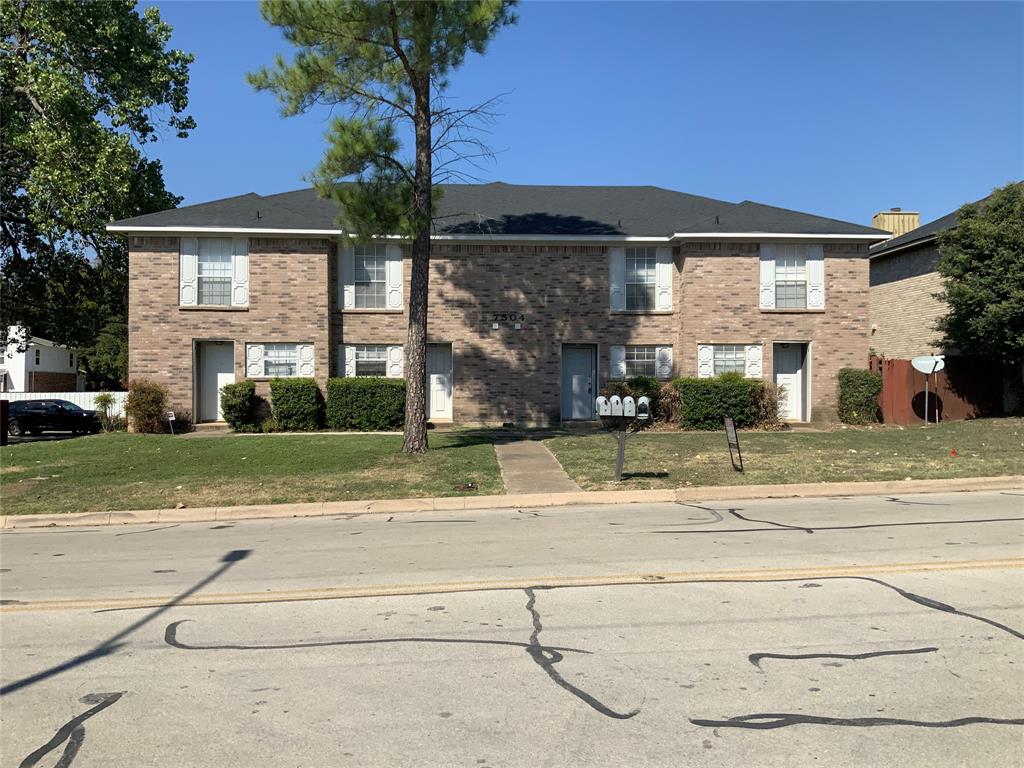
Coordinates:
(982, 266)
(84, 86)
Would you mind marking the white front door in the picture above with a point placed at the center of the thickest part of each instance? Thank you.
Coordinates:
(439, 381)
(578, 381)
(789, 378)
(216, 369)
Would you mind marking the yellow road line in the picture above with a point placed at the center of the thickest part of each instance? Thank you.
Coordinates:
(392, 590)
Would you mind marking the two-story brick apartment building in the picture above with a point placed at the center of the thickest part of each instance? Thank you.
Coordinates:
(538, 294)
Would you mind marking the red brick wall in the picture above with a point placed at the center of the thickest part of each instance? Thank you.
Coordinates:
(503, 374)
(288, 302)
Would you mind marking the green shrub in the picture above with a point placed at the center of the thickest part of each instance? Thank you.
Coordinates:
(146, 406)
(366, 404)
(858, 396)
(637, 387)
(297, 404)
(240, 406)
(704, 403)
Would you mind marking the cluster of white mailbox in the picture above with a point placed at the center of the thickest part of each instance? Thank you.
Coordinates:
(627, 407)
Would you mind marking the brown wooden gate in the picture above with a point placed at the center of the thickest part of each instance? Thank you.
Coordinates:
(968, 387)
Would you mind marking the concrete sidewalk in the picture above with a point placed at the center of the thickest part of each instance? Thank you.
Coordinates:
(515, 500)
(527, 466)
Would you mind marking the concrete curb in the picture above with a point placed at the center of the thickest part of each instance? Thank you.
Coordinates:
(459, 503)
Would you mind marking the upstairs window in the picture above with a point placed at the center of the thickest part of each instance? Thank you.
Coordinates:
(790, 280)
(730, 358)
(214, 274)
(371, 360)
(641, 278)
(370, 263)
(641, 360)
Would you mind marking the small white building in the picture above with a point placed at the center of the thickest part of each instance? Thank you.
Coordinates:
(41, 366)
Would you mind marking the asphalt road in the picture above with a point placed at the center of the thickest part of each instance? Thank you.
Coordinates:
(831, 632)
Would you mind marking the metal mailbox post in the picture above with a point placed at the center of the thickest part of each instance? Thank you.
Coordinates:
(617, 416)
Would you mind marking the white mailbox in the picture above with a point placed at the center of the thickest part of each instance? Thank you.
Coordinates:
(604, 408)
(643, 409)
(616, 405)
(628, 406)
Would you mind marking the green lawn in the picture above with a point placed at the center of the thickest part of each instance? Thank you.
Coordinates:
(985, 447)
(123, 471)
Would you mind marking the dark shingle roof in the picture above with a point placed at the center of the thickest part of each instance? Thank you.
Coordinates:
(515, 209)
(923, 234)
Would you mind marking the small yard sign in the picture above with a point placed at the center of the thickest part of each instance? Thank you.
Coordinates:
(170, 420)
(734, 444)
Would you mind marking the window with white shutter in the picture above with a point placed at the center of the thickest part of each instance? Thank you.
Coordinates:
(279, 360)
(792, 276)
(716, 359)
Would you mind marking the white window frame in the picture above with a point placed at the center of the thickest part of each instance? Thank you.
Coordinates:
(215, 253)
(650, 256)
(371, 354)
(641, 354)
(791, 270)
(751, 355)
(292, 350)
(380, 254)
(735, 355)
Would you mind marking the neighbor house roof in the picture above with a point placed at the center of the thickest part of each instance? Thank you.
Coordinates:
(923, 235)
(498, 210)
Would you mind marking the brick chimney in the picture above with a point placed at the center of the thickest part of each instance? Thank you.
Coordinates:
(896, 220)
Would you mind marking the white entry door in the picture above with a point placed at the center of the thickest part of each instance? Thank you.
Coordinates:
(439, 381)
(789, 377)
(578, 381)
(216, 369)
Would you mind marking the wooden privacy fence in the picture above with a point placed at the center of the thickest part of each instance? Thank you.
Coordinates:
(968, 387)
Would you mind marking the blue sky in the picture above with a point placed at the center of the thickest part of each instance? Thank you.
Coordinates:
(839, 109)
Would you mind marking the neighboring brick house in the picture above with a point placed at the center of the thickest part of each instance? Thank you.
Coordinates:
(904, 283)
(538, 295)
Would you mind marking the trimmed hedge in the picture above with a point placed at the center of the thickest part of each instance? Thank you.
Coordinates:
(704, 403)
(366, 404)
(146, 406)
(240, 406)
(297, 404)
(858, 396)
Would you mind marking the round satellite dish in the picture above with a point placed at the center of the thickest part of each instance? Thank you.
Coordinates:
(929, 363)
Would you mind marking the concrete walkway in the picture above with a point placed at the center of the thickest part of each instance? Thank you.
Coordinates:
(527, 466)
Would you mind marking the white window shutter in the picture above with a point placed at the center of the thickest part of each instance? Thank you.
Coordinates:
(396, 362)
(253, 360)
(815, 277)
(240, 272)
(188, 265)
(348, 278)
(705, 361)
(394, 277)
(663, 363)
(306, 358)
(753, 361)
(349, 361)
(664, 280)
(617, 279)
(617, 357)
(767, 276)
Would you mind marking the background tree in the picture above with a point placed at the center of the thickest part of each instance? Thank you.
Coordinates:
(84, 86)
(982, 267)
(386, 64)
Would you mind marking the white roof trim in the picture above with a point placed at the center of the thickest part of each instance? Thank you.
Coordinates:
(757, 236)
(222, 230)
(768, 236)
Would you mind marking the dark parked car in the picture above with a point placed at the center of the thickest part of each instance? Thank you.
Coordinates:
(35, 416)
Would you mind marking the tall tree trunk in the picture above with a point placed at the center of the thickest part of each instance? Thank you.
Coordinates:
(416, 343)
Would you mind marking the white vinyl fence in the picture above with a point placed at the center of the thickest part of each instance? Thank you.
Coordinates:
(86, 400)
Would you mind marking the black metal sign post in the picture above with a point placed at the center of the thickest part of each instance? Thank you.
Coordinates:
(734, 444)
